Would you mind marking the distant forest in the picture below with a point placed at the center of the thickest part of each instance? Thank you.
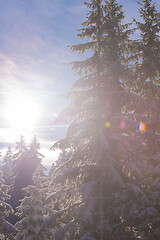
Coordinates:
(105, 184)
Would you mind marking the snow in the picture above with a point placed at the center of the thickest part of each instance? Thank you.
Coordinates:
(7, 227)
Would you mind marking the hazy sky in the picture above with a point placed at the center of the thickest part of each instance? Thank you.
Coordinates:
(33, 47)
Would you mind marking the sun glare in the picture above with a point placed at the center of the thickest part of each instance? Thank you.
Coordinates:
(22, 112)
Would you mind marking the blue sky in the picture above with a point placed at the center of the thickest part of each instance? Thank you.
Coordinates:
(33, 48)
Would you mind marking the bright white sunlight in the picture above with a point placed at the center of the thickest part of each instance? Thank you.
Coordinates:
(22, 112)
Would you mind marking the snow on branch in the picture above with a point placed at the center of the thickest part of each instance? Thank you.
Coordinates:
(53, 195)
(87, 236)
(70, 226)
(7, 227)
(52, 219)
(7, 206)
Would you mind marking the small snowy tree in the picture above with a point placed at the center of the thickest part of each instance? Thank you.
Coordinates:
(22, 175)
(6, 229)
(8, 168)
(25, 161)
(34, 155)
(32, 211)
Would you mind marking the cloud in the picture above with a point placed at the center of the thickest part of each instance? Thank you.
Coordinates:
(26, 25)
(8, 77)
(28, 43)
(77, 12)
(29, 73)
(33, 41)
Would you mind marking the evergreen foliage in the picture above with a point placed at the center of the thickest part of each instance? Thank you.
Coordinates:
(6, 229)
(7, 168)
(147, 47)
(32, 210)
(98, 191)
(22, 172)
(35, 155)
(25, 161)
(31, 213)
(147, 70)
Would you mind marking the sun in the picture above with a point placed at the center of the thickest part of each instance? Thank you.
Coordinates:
(22, 112)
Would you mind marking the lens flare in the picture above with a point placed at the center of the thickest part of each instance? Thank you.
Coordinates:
(122, 124)
(142, 127)
(107, 124)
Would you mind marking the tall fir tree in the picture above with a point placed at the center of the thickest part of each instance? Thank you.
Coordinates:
(98, 191)
(147, 47)
(147, 72)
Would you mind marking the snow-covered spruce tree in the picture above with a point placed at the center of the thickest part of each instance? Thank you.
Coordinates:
(147, 70)
(21, 168)
(34, 155)
(6, 229)
(25, 161)
(8, 168)
(98, 191)
(31, 211)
